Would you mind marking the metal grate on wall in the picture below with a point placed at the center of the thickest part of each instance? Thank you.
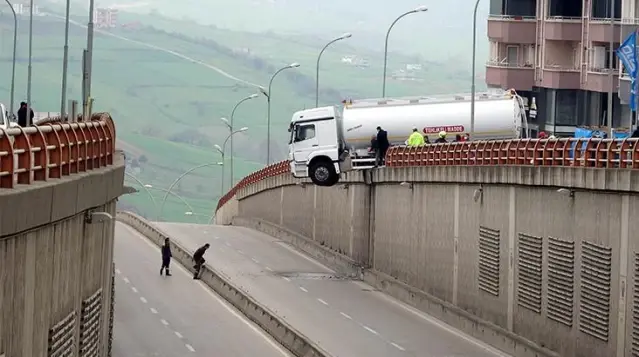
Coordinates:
(489, 260)
(529, 272)
(61, 342)
(635, 310)
(90, 325)
(594, 306)
(561, 272)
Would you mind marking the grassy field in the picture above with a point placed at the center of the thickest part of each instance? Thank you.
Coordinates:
(169, 108)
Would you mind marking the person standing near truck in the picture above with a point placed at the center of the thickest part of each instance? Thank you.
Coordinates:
(382, 146)
(22, 115)
(416, 138)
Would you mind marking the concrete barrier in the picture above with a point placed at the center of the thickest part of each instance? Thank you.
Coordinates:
(56, 264)
(505, 253)
(281, 331)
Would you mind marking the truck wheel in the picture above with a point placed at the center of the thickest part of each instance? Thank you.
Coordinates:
(323, 174)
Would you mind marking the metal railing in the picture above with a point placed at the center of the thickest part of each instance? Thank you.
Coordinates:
(564, 152)
(53, 150)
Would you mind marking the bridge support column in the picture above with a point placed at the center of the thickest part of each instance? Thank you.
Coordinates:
(623, 275)
(511, 257)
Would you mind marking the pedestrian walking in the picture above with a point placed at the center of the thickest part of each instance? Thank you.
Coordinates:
(166, 257)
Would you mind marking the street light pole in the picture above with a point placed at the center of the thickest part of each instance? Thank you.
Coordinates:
(472, 71)
(186, 203)
(343, 37)
(13, 66)
(268, 118)
(89, 68)
(181, 177)
(29, 119)
(252, 96)
(65, 62)
(155, 205)
(222, 150)
(419, 9)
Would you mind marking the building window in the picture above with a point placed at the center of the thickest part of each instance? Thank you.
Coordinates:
(564, 8)
(512, 56)
(566, 107)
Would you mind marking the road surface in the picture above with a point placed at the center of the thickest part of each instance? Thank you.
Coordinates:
(174, 316)
(346, 318)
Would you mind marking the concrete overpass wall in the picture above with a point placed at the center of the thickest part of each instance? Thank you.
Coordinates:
(495, 251)
(55, 263)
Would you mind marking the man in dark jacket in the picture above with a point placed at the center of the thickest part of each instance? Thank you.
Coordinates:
(382, 146)
(198, 257)
(166, 257)
(22, 115)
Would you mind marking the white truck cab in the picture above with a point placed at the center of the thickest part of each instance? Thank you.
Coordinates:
(317, 148)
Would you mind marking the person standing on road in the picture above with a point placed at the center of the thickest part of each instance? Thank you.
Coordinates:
(198, 257)
(166, 257)
(22, 115)
(382, 146)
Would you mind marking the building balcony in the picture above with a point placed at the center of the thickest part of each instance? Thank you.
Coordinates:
(601, 31)
(505, 75)
(512, 29)
(599, 80)
(559, 28)
(559, 77)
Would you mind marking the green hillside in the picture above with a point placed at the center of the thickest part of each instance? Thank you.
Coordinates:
(168, 106)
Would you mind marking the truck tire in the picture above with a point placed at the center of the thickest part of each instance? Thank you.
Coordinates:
(323, 173)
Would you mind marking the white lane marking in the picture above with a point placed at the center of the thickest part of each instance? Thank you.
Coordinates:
(255, 261)
(398, 346)
(323, 302)
(285, 278)
(370, 330)
(126, 280)
(346, 316)
(154, 311)
(438, 323)
(240, 251)
(164, 322)
(134, 289)
(117, 271)
(179, 335)
(189, 347)
(226, 305)
(303, 289)
(143, 299)
(267, 268)
(227, 244)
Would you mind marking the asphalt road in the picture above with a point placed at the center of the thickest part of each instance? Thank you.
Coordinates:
(174, 316)
(347, 318)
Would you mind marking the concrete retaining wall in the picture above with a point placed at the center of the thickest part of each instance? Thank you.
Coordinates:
(285, 334)
(495, 251)
(55, 267)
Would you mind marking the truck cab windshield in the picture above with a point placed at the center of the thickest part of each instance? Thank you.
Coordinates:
(302, 132)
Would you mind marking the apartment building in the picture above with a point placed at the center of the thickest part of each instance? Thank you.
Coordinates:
(557, 51)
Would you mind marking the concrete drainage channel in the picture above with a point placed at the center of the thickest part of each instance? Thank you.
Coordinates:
(298, 344)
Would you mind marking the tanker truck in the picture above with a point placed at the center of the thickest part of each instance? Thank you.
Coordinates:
(327, 141)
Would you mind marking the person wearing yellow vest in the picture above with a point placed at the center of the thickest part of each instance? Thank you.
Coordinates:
(415, 139)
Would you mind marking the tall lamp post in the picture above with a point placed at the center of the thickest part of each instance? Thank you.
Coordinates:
(29, 67)
(155, 205)
(175, 182)
(343, 37)
(65, 61)
(221, 150)
(230, 126)
(419, 9)
(13, 66)
(472, 71)
(268, 118)
(186, 203)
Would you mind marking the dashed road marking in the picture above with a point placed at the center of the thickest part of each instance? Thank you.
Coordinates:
(179, 335)
(227, 244)
(285, 278)
(346, 316)
(303, 289)
(143, 299)
(189, 347)
(255, 261)
(267, 268)
(240, 251)
(398, 346)
(153, 311)
(126, 280)
(323, 302)
(370, 330)
(134, 289)
(164, 322)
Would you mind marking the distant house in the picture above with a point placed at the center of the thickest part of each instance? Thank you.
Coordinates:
(24, 9)
(105, 17)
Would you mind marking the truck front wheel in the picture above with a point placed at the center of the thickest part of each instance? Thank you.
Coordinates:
(323, 173)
